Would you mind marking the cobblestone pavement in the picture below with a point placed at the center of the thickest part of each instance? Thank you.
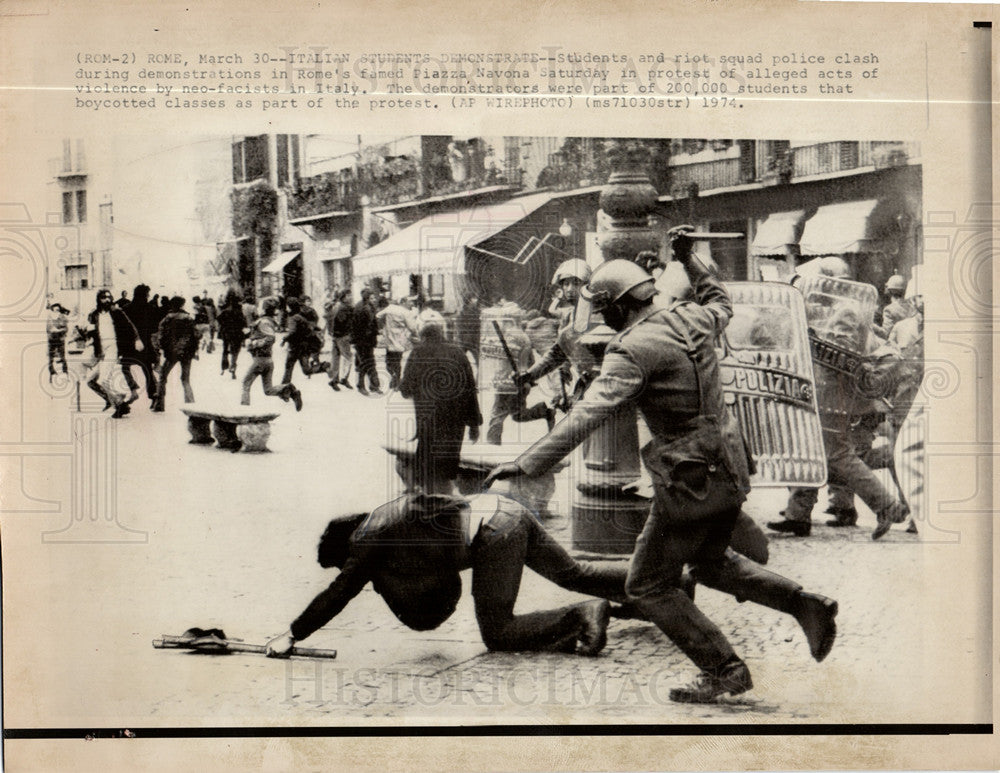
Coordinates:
(230, 542)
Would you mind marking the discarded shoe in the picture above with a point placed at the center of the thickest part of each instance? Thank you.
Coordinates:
(816, 614)
(733, 678)
(594, 635)
(795, 528)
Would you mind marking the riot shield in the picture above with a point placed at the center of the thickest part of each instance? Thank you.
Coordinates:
(840, 314)
(767, 379)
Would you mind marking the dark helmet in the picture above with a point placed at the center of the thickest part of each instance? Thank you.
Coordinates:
(614, 280)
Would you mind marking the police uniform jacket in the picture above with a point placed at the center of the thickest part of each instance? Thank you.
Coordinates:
(665, 364)
(566, 348)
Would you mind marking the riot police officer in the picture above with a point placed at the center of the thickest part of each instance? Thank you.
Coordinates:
(569, 277)
(664, 361)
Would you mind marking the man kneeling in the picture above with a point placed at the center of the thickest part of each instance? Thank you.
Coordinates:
(413, 548)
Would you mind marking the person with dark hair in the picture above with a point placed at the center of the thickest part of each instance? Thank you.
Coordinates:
(113, 335)
(663, 361)
(232, 331)
(213, 325)
(144, 316)
(413, 548)
(56, 327)
(364, 336)
(178, 344)
(262, 335)
(340, 323)
(439, 380)
(298, 339)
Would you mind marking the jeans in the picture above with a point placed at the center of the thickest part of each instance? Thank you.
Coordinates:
(503, 547)
(340, 358)
(230, 351)
(147, 373)
(263, 367)
(57, 351)
(366, 367)
(161, 392)
(394, 364)
(290, 359)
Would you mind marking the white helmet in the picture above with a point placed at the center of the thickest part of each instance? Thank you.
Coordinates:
(572, 269)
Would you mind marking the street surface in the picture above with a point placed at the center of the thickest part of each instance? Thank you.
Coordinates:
(230, 542)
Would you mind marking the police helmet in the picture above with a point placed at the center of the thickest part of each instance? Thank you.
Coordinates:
(895, 284)
(615, 279)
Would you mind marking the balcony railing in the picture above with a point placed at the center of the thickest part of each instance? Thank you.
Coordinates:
(823, 158)
(881, 154)
(722, 173)
(329, 192)
(59, 167)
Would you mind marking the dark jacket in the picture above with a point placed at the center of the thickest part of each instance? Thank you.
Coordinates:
(342, 323)
(232, 324)
(125, 332)
(299, 335)
(439, 380)
(178, 338)
(364, 326)
(666, 365)
(411, 550)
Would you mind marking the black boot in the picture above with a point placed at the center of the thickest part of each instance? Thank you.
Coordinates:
(795, 528)
(733, 677)
(842, 517)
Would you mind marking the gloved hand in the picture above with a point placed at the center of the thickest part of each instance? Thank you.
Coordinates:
(280, 646)
(502, 471)
(680, 243)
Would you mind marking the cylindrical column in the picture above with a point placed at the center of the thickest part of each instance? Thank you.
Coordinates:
(606, 519)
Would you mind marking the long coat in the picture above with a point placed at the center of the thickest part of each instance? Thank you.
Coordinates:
(439, 380)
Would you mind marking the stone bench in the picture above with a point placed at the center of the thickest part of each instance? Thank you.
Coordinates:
(231, 428)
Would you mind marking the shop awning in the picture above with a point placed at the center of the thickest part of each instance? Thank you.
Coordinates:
(777, 233)
(436, 244)
(277, 265)
(836, 229)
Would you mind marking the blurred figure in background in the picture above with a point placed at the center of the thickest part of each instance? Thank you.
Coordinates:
(232, 331)
(56, 327)
(179, 344)
(439, 381)
(339, 324)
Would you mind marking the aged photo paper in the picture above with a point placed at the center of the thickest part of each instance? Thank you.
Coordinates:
(441, 162)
